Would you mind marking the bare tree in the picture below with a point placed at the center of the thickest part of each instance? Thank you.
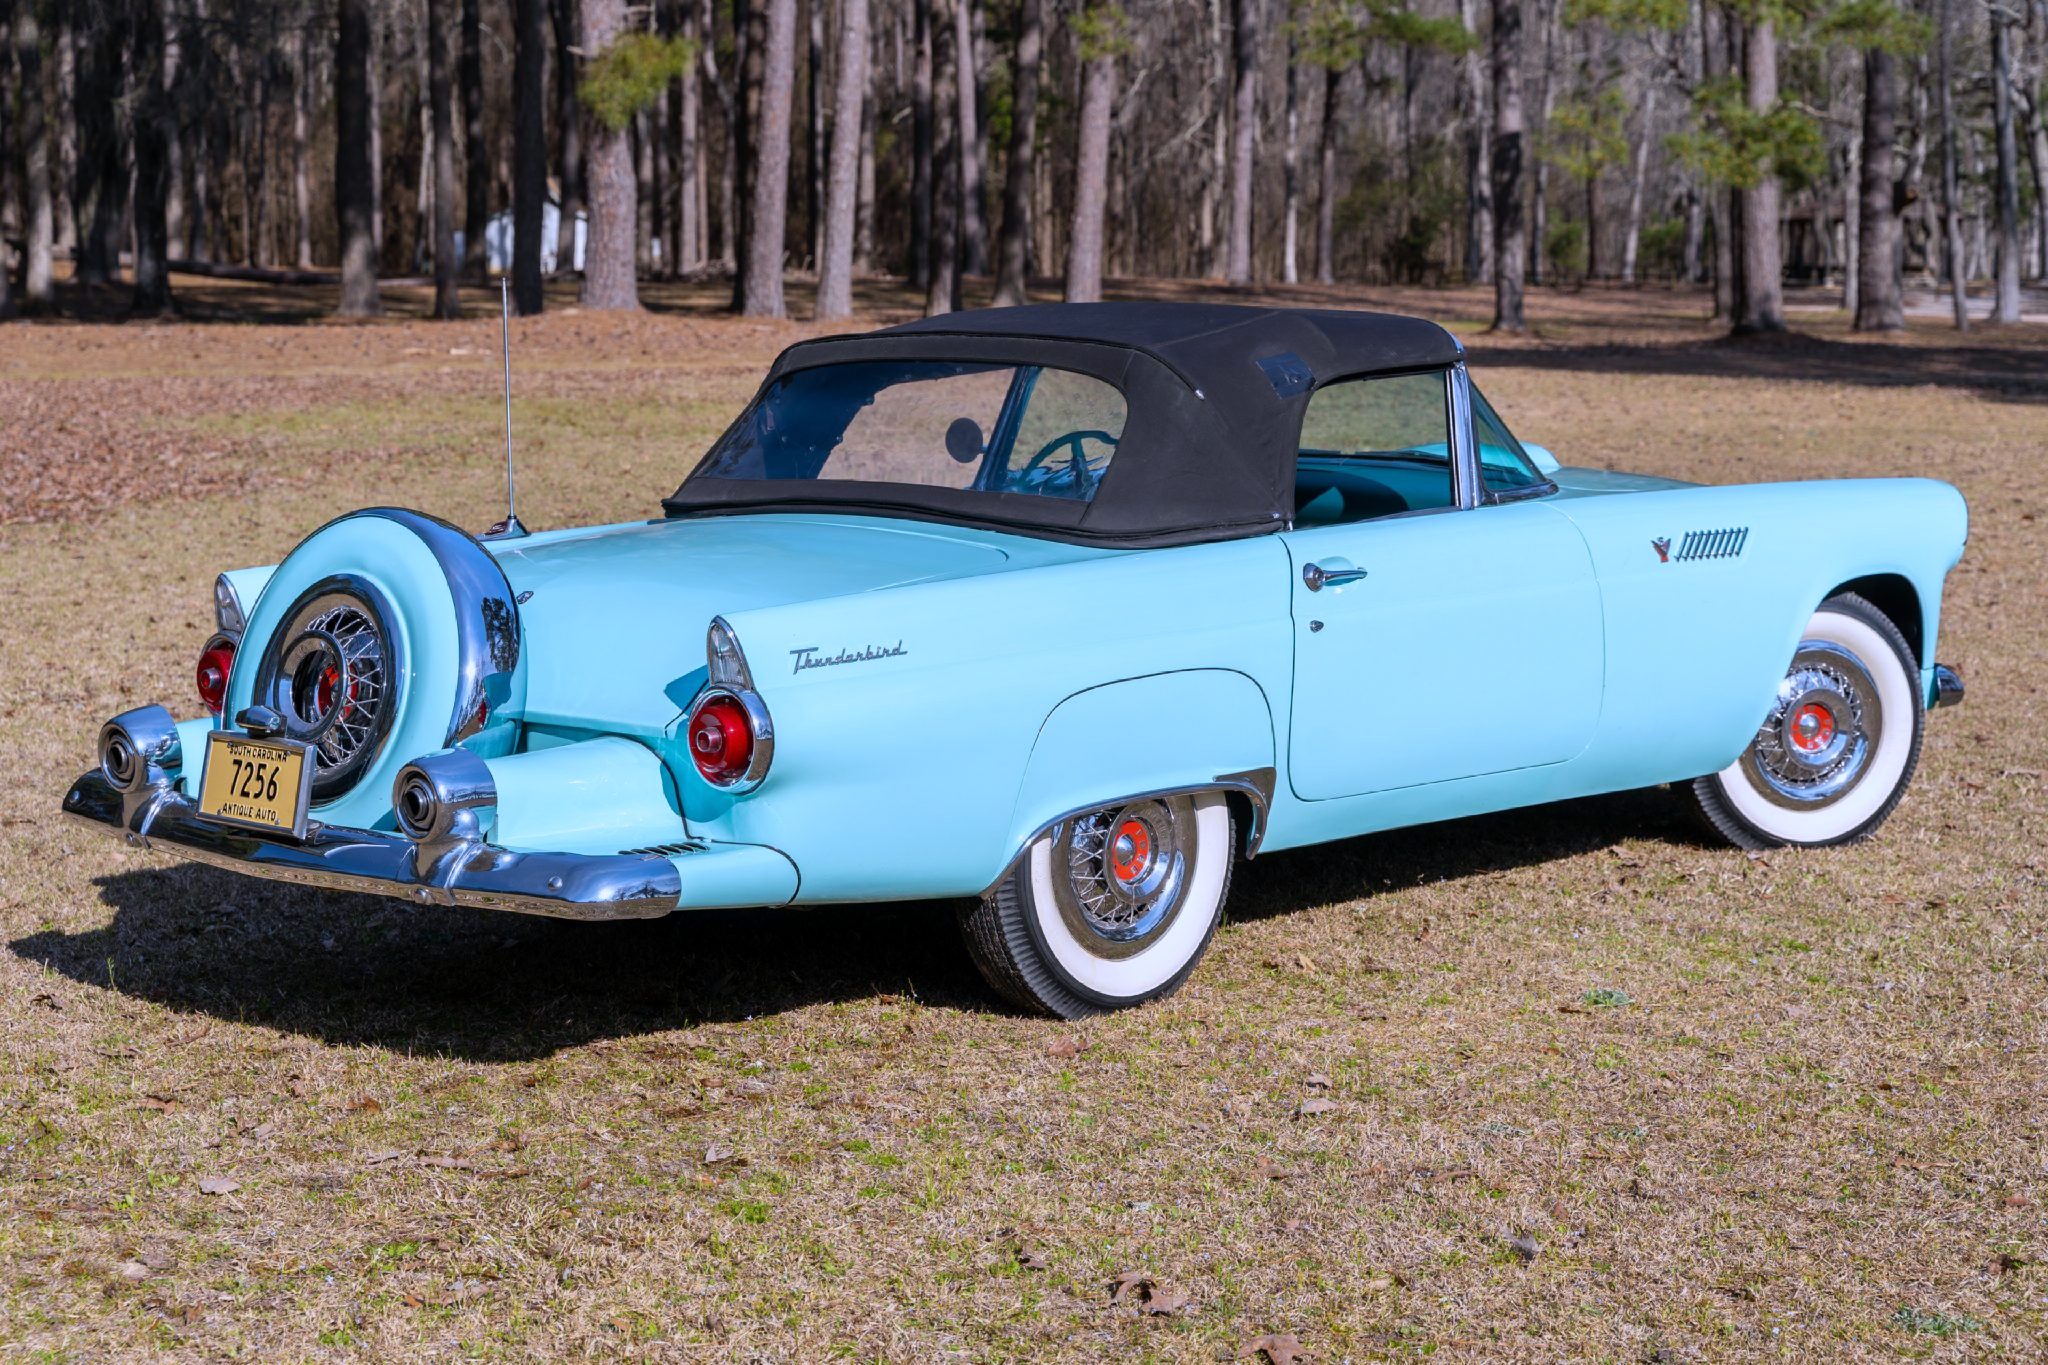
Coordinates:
(611, 250)
(441, 95)
(921, 144)
(2005, 306)
(529, 150)
(769, 220)
(572, 44)
(353, 173)
(1091, 175)
(39, 226)
(1244, 118)
(1478, 152)
(1290, 169)
(1326, 177)
(302, 149)
(1019, 180)
(1763, 307)
(1952, 226)
(476, 160)
(1879, 307)
(152, 120)
(942, 290)
(1632, 237)
(99, 199)
(1510, 249)
(973, 221)
(842, 193)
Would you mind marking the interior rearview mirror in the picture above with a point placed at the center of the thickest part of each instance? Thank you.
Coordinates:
(963, 440)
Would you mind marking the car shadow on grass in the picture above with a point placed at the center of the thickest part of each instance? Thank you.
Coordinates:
(493, 987)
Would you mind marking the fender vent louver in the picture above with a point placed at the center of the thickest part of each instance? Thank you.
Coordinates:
(1724, 544)
(665, 850)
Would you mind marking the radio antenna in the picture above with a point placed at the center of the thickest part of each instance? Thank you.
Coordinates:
(511, 527)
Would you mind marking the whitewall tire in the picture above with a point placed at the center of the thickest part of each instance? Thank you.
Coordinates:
(1835, 753)
(1107, 909)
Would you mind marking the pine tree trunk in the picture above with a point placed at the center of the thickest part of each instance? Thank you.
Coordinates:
(942, 289)
(99, 199)
(1879, 306)
(842, 191)
(39, 228)
(1244, 116)
(973, 219)
(1539, 209)
(441, 99)
(689, 97)
(1478, 153)
(1631, 241)
(769, 220)
(1013, 267)
(1510, 249)
(815, 154)
(1762, 263)
(476, 159)
(864, 203)
(920, 270)
(375, 86)
(610, 250)
(1091, 179)
(1852, 224)
(302, 158)
(1290, 173)
(1952, 226)
(529, 150)
(152, 119)
(1326, 179)
(2005, 305)
(352, 170)
(573, 172)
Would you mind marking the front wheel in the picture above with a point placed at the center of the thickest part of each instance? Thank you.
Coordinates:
(1106, 909)
(1835, 753)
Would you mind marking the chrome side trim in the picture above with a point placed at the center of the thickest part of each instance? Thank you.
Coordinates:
(1466, 487)
(1948, 687)
(1254, 784)
(562, 885)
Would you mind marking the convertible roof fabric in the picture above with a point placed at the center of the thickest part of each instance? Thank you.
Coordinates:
(1216, 394)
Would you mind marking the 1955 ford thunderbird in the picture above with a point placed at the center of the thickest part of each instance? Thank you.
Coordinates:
(1058, 610)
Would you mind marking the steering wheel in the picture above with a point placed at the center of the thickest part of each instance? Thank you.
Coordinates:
(1084, 475)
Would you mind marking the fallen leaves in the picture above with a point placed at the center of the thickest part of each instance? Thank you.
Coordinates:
(1275, 1348)
(1066, 1048)
(218, 1184)
(363, 1104)
(1313, 1106)
(1151, 1298)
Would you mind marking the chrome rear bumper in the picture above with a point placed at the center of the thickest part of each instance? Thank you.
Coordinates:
(160, 818)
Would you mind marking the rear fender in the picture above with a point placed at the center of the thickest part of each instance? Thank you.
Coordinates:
(1205, 729)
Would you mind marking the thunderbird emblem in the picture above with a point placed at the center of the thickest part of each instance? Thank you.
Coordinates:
(1662, 545)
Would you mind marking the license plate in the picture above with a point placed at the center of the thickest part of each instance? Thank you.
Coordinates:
(260, 783)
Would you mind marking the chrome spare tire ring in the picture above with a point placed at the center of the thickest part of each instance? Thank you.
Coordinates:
(332, 671)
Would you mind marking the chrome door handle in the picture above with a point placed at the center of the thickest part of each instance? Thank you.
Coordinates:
(1315, 577)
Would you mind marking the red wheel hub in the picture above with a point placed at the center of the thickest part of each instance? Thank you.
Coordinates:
(330, 683)
(1813, 728)
(1130, 852)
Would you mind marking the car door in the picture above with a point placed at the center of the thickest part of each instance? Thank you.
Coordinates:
(1432, 641)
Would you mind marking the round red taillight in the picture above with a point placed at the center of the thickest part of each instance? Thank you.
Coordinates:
(721, 740)
(212, 674)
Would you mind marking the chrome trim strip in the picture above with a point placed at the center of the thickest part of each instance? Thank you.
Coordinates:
(1254, 784)
(561, 885)
(1948, 687)
(1466, 488)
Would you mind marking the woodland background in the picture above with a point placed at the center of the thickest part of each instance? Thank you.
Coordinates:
(1866, 144)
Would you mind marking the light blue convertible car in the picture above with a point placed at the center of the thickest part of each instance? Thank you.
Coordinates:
(1059, 611)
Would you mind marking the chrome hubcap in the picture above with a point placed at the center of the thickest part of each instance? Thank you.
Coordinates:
(1119, 872)
(1816, 744)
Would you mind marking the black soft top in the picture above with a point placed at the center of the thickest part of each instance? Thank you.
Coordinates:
(1216, 394)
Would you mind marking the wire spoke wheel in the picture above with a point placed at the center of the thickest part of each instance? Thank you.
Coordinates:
(329, 672)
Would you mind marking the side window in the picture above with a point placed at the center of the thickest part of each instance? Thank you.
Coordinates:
(1374, 448)
(1504, 467)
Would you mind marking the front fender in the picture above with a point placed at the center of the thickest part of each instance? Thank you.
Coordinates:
(1198, 728)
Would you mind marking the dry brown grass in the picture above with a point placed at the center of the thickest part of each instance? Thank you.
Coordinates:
(1814, 1130)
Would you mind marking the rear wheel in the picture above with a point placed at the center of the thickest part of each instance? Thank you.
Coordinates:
(1841, 741)
(1107, 909)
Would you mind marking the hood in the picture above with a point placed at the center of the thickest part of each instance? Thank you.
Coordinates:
(614, 617)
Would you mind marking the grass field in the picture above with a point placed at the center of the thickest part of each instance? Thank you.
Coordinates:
(1738, 1107)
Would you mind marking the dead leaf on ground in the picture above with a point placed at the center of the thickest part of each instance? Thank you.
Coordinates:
(1310, 1107)
(1072, 1045)
(718, 1155)
(1270, 1170)
(218, 1184)
(364, 1104)
(1277, 1348)
(1525, 1247)
(1317, 1081)
(379, 1158)
(132, 1271)
(1152, 1298)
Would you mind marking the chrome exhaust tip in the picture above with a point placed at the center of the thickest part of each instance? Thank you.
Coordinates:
(140, 748)
(441, 796)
